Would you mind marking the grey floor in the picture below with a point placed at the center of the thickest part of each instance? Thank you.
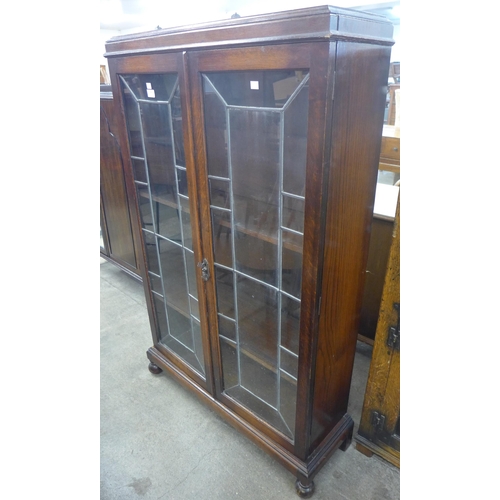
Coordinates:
(158, 441)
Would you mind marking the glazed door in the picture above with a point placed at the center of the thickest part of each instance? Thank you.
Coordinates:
(152, 101)
(254, 115)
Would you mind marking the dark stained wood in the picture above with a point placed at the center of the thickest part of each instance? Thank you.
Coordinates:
(257, 58)
(382, 389)
(197, 200)
(318, 160)
(357, 128)
(316, 23)
(104, 232)
(304, 490)
(154, 369)
(347, 56)
(197, 157)
(116, 226)
(380, 242)
(378, 254)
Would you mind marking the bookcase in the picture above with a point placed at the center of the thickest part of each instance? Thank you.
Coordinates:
(251, 148)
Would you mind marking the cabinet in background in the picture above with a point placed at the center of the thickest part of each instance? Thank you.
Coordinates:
(379, 429)
(251, 147)
(118, 243)
(381, 232)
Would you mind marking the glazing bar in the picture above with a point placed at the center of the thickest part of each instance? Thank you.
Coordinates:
(288, 351)
(153, 102)
(170, 241)
(296, 91)
(220, 208)
(288, 374)
(286, 425)
(260, 399)
(229, 341)
(292, 230)
(222, 266)
(255, 108)
(217, 178)
(226, 317)
(243, 275)
(221, 98)
(256, 280)
(174, 88)
(179, 214)
(233, 245)
(184, 345)
(280, 252)
(286, 294)
(291, 195)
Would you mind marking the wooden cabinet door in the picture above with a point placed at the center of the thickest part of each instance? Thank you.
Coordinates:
(153, 101)
(252, 110)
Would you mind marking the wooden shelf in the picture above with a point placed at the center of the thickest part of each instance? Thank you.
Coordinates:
(253, 229)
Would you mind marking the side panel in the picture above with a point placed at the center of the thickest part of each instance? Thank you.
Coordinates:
(359, 100)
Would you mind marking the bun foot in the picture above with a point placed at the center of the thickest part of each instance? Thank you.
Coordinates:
(304, 491)
(154, 369)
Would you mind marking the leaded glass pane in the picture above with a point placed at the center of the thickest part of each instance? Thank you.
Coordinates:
(256, 140)
(154, 123)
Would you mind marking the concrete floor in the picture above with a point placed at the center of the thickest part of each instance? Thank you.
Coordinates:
(158, 441)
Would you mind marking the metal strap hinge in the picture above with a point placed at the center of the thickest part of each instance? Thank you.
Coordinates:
(378, 420)
(394, 331)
